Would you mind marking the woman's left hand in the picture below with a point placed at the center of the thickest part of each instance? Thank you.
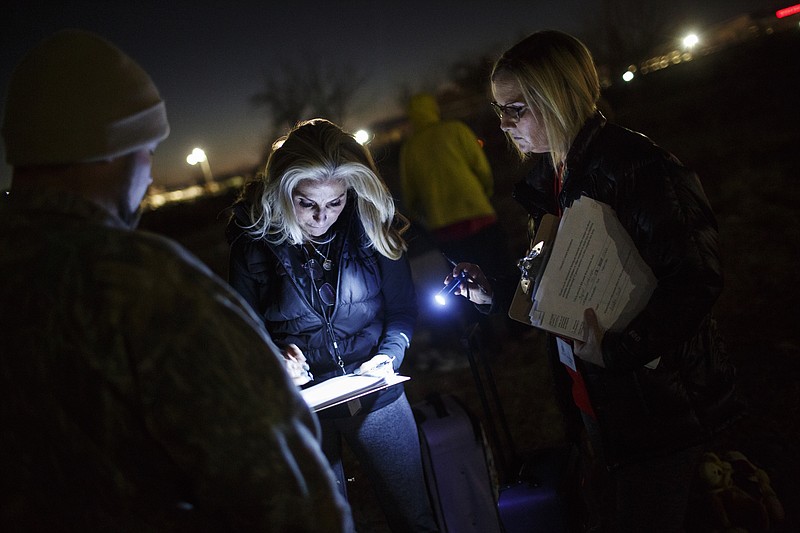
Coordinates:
(591, 350)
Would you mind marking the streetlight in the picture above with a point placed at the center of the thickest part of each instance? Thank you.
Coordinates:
(690, 41)
(630, 73)
(362, 136)
(199, 156)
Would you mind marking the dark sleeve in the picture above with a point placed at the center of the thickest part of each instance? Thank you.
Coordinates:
(214, 393)
(504, 287)
(400, 307)
(242, 279)
(674, 229)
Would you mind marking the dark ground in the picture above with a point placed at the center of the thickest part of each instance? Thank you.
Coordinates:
(734, 118)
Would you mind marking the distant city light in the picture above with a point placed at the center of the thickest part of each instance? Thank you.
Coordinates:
(362, 136)
(630, 73)
(690, 40)
(788, 11)
(197, 156)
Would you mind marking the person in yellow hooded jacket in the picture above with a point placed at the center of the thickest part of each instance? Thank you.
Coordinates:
(446, 183)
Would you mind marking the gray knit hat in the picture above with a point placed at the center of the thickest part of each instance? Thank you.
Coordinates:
(77, 98)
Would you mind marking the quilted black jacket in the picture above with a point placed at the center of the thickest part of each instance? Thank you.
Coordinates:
(663, 207)
(375, 310)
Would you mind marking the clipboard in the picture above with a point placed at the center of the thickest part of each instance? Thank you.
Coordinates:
(522, 303)
(346, 388)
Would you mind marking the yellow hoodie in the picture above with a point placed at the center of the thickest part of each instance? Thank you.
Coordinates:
(444, 174)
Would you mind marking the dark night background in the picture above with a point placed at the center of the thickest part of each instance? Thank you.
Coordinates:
(208, 59)
(733, 117)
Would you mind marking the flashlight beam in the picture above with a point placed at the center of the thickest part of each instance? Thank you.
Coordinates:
(447, 290)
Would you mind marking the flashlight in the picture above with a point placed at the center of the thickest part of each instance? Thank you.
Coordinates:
(447, 290)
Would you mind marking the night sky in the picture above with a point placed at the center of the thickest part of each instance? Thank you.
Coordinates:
(208, 59)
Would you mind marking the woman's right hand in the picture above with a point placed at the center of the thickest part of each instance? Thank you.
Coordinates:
(477, 288)
(296, 365)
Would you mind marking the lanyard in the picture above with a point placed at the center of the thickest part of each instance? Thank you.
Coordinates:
(558, 184)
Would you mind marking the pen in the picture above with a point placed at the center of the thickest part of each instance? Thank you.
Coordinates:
(359, 372)
(307, 370)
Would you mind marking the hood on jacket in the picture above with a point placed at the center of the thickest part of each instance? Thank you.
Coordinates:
(423, 110)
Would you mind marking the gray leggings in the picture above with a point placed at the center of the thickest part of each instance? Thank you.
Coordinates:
(386, 444)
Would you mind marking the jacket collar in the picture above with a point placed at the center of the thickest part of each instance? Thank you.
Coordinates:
(577, 156)
(535, 191)
(345, 225)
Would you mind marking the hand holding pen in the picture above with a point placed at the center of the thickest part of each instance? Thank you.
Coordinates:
(476, 288)
(296, 365)
(378, 366)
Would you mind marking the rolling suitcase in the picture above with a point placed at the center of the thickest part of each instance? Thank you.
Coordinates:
(537, 500)
(458, 466)
(537, 492)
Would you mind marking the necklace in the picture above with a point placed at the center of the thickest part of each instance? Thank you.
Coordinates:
(327, 264)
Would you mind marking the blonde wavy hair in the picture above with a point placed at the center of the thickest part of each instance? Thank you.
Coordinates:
(318, 150)
(557, 76)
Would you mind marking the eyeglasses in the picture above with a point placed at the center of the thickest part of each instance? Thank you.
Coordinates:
(326, 293)
(513, 112)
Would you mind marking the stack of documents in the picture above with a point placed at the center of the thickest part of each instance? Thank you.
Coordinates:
(592, 262)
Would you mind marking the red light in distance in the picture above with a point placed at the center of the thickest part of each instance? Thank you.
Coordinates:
(788, 11)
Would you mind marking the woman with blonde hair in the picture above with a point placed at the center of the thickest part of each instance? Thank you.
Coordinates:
(647, 395)
(317, 250)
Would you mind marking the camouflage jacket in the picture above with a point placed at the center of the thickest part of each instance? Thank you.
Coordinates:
(137, 390)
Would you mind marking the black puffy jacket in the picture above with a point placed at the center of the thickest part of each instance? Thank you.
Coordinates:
(662, 205)
(375, 310)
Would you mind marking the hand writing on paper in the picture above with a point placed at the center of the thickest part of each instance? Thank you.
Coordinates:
(378, 366)
(591, 349)
(296, 365)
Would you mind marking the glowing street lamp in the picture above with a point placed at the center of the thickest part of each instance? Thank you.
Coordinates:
(690, 41)
(362, 136)
(629, 74)
(199, 156)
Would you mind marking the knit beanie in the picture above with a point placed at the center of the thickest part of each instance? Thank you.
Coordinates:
(77, 98)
